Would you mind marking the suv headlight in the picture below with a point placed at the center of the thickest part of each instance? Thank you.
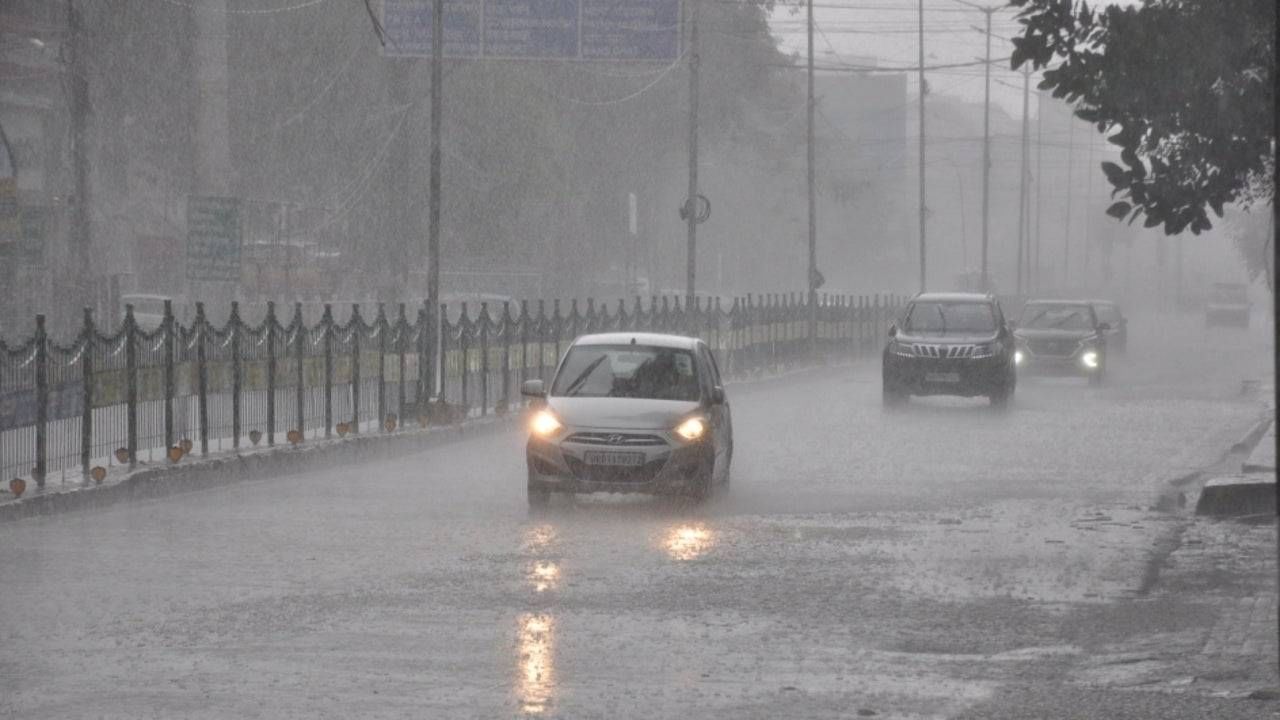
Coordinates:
(985, 350)
(901, 350)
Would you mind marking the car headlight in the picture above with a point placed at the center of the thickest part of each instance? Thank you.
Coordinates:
(984, 350)
(1018, 357)
(544, 423)
(1090, 359)
(901, 350)
(691, 429)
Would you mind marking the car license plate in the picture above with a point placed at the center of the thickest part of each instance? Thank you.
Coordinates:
(942, 377)
(624, 459)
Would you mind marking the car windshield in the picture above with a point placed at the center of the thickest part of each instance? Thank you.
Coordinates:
(1044, 316)
(1107, 314)
(630, 371)
(950, 317)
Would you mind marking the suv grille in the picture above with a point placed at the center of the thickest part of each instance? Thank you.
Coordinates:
(616, 439)
(944, 351)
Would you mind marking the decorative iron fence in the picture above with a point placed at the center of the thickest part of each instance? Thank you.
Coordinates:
(155, 394)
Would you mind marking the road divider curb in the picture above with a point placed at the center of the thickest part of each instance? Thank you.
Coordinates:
(199, 474)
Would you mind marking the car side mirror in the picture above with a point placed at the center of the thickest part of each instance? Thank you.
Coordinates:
(533, 388)
(717, 395)
(1104, 327)
(893, 330)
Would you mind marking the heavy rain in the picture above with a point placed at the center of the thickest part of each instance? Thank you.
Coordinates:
(638, 359)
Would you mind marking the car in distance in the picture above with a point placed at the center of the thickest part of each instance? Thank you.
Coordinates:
(1062, 337)
(950, 344)
(1117, 334)
(1228, 305)
(633, 413)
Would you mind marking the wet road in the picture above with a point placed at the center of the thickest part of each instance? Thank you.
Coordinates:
(917, 564)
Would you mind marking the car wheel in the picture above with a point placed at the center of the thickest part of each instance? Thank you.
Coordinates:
(704, 483)
(539, 497)
(1000, 399)
(892, 397)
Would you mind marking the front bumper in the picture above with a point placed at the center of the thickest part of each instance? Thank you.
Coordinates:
(1072, 365)
(925, 376)
(670, 467)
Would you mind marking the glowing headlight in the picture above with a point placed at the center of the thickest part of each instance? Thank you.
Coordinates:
(1090, 359)
(691, 429)
(544, 423)
(1018, 357)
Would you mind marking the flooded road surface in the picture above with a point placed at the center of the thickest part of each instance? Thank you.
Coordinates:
(940, 561)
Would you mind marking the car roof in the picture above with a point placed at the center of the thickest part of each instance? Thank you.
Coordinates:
(953, 297)
(1051, 301)
(639, 338)
(1102, 302)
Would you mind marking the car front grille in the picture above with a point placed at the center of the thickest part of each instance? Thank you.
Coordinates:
(616, 474)
(946, 352)
(1059, 348)
(616, 439)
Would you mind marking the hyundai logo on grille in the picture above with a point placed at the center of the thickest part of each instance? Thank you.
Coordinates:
(616, 439)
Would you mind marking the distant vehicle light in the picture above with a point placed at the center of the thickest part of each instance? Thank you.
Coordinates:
(1018, 357)
(544, 424)
(1090, 359)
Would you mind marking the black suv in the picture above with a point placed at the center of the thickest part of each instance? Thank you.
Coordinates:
(950, 344)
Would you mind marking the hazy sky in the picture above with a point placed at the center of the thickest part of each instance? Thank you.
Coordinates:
(850, 32)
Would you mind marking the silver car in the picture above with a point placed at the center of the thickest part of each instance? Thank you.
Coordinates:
(630, 412)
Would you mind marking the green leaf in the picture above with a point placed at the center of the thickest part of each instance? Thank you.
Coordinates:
(1119, 209)
(1115, 174)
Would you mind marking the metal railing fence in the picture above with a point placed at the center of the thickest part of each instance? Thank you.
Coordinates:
(139, 395)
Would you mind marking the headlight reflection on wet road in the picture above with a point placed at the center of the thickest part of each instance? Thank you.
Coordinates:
(544, 576)
(536, 645)
(687, 542)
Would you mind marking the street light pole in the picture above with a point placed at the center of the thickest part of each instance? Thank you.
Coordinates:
(986, 155)
(1023, 169)
(691, 201)
(923, 88)
(813, 206)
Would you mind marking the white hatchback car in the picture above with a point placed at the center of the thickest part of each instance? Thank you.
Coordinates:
(630, 412)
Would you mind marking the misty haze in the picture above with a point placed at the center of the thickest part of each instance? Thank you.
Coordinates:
(638, 359)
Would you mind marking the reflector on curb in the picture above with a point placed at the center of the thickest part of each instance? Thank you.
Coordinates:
(17, 486)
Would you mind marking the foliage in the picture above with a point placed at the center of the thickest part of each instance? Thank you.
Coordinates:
(1183, 87)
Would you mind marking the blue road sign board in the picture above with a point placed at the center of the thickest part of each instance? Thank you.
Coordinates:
(639, 30)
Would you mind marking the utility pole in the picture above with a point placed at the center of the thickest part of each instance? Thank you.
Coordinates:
(81, 239)
(433, 217)
(986, 154)
(1024, 170)
(1088, 208)
(1066, 237)
(691, 203)
(813, 207)
(1039, 178)
(923, 89)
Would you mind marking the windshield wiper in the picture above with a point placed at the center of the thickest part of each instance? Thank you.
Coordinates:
(943, 317)
(582, 377)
